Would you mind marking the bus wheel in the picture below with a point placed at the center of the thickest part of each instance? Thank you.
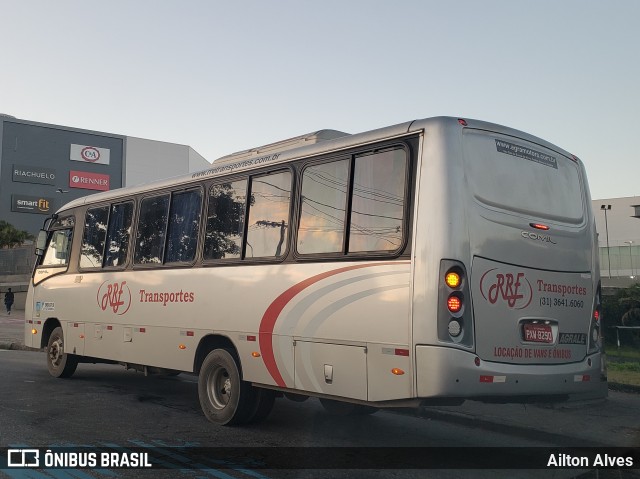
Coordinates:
(264, 404)
(59, 363)
(225, 399)
(339, 408)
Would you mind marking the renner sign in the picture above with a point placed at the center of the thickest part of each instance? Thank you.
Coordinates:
(88, 181)
(89, 154)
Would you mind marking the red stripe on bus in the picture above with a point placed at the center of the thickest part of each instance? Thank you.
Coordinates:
(270, 317)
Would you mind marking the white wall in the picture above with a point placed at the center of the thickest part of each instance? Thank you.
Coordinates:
(150, 160)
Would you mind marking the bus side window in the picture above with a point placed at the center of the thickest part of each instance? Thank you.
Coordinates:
(323, 205)
(269, 208)
(118, 235)
(225, 220)
(184, 226)
(93, 239)
(152, 229)
(57, 253)
(377, 207)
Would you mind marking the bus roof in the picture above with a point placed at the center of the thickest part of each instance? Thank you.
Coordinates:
(299, 147)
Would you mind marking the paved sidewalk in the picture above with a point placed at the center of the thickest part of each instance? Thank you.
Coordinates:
(12, 330)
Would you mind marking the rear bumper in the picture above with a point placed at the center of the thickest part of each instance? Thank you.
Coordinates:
(449, 372)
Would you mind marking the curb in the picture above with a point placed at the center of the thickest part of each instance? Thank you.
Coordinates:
(16, 347)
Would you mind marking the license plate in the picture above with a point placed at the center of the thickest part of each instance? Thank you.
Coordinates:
(538, 333)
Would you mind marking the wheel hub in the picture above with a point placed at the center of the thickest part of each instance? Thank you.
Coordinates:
(56, 351)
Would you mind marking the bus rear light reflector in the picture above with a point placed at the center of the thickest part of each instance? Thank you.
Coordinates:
(189, 333)
(251, 338)
(582, 378)
(182, 346)
(454, 304)
(397, 371)
(493, 379)
(402, 352)
(255, 354)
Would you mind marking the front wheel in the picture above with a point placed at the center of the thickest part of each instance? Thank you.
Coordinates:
(60, 363)
(224, 397)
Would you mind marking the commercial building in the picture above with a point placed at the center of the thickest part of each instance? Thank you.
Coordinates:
(44, 166)
(618, 225)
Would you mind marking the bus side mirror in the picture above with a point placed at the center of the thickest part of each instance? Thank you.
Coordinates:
(41, 242)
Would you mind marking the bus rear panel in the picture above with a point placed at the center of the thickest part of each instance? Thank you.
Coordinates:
(528, 325)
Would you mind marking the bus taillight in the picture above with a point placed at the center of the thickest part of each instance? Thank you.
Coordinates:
(455, 322)
(452, 279)
(454, 303)
(595, 327)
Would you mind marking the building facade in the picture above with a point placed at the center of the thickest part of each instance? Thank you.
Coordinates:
(44, 166)
(618, 236)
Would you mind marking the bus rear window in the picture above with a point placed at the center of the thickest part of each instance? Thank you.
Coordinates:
(513, 174)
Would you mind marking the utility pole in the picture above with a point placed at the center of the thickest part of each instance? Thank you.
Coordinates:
(606, 228)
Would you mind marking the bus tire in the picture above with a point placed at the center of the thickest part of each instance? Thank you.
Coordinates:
(264, 404)
(339, 408)
(225, 399)
(59, 363)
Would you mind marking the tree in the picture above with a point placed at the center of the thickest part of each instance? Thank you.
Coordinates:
(630, 299)
(11, 237)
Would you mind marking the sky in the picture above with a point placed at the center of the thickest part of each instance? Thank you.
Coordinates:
(228, 76)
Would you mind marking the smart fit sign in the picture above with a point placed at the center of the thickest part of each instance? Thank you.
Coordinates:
(88, 181)
(89, 154)
(31, 204)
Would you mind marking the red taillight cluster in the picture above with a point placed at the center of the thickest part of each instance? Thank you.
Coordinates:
(596, 327)
(453, 279)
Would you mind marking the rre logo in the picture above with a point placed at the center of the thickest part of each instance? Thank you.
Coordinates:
(537, 237)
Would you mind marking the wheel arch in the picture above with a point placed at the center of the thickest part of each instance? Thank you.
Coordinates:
(49, 325)
(211, 342)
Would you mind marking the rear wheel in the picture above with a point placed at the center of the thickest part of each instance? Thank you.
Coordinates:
(224, 397)
(59, 363)
(265, 399)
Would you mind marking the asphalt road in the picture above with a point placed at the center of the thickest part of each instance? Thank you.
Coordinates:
(106, 406)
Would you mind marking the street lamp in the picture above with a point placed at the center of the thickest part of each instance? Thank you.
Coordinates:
(630, 258)
(606, 228)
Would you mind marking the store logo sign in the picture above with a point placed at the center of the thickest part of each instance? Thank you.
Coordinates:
(33, 174)
(31, 204)
(88, 181)
(90, 154)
